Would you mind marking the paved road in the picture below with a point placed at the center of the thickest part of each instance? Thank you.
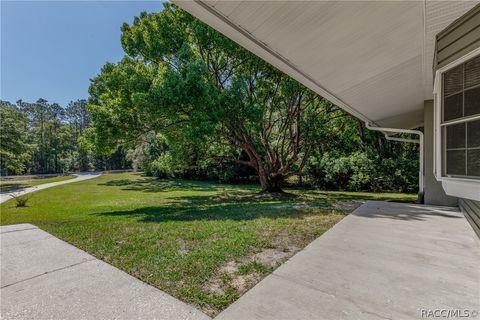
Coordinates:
(79, 177)
(43, 277)
(383, 261)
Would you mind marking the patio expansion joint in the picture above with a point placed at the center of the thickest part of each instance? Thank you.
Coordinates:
(47, 237)
(49, 272)
(303, 284)
(5, 232)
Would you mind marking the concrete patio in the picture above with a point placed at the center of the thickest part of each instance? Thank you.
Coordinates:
(383, 261)
(43, 277)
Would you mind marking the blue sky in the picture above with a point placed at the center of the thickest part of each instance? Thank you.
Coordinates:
(51, 49)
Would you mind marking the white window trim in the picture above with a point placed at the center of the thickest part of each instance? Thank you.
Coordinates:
(458, 187)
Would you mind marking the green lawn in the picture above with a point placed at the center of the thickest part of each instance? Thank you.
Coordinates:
(19, 183)
(204, 243)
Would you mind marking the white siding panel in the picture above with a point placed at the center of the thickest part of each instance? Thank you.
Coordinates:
(438, 15)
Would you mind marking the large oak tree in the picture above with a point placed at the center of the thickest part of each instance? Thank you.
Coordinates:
(200, 90)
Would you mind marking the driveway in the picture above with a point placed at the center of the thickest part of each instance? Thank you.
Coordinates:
(79, 177)
(43, 277)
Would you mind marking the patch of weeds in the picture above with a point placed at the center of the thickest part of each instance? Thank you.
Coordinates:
(221, 293)
(20, 201)
(254, 266)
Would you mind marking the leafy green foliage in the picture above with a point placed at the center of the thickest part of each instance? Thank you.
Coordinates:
(14, 147)
(21, 201)
(41, 137)
(210, 99)
(362, 171)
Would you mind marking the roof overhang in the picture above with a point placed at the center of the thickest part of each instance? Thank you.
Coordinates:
(371, 58)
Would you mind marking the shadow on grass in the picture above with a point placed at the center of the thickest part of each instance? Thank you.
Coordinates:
(407, 212)
(10, 187)
(242, 202)
(159, 185)
(250, 190)
(199, 208)
(339, 196)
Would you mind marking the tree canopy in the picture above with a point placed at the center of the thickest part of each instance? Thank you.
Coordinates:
(14, 147)
(196, 87)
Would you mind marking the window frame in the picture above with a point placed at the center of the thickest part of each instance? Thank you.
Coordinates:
(463, 187)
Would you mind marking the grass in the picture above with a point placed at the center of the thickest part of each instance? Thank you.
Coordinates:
(203, 243)
(20, 183)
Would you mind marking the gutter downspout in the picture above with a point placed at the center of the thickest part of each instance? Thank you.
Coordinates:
(420, 141)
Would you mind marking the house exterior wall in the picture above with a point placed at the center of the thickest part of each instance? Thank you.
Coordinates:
(454, 42)
(459, 38)
(471, 210)
(434, 193)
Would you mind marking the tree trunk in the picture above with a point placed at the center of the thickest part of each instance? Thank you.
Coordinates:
(270, 183)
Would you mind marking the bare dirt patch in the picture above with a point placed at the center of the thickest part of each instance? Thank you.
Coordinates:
(217, 284)
(272, 257)
(183, 247)
(243, 283)
(243, 275)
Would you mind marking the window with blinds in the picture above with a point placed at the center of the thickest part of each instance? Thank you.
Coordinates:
(461, 120)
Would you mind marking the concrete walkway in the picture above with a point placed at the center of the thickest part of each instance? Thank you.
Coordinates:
(383, 261)
(43, 277)
(79, 177)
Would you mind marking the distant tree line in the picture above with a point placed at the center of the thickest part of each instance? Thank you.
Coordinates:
(43, 137)
(40, 137)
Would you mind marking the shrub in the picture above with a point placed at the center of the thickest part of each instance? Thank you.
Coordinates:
(363, 171)
(20, 201)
